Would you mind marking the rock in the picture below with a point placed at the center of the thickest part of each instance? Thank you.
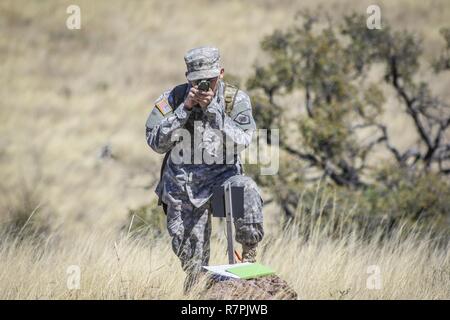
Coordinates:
(105, 152)
(262, 288)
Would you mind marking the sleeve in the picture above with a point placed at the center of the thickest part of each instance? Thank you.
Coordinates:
(239, 125)
(163, 121)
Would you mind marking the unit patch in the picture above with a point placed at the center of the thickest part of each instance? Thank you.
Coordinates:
(242, 119)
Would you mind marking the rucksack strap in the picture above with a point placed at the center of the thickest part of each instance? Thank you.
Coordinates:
(230, 93)
(179, 92)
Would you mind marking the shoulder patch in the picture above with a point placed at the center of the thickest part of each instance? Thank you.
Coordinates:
(242, 119)
(163, 106)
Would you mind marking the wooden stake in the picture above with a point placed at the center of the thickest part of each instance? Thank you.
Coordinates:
(229, 219)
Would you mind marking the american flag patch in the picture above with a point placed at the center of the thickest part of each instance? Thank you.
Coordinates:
(163, 106)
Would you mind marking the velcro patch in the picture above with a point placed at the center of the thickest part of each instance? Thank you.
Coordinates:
(163, 106)
(242, 119)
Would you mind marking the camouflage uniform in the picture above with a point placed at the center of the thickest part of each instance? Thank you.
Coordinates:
(186, 188)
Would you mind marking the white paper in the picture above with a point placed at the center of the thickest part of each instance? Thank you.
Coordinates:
(221, 269)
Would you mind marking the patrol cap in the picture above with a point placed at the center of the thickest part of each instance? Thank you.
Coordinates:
(202, 63)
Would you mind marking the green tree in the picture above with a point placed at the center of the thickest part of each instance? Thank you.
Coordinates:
(340, 121)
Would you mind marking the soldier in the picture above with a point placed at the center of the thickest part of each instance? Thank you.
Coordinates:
(212, 116)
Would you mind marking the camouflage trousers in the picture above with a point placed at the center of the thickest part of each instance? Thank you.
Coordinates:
(190, 227)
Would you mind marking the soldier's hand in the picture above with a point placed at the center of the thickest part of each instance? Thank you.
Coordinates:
(204, 98)
(191, 100)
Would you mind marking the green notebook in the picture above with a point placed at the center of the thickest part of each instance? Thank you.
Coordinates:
(251, 270)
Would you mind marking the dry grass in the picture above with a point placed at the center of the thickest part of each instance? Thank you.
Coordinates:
(65, 94)
(412, 266)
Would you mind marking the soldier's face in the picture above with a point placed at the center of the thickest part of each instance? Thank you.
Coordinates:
(214, 85)
(213, 82)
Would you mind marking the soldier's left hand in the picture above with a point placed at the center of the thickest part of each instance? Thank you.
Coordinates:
(204, 98)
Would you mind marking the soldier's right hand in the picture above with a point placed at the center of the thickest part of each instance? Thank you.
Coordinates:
(190, 100)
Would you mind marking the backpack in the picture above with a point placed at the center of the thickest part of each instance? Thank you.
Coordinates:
(179, 92)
